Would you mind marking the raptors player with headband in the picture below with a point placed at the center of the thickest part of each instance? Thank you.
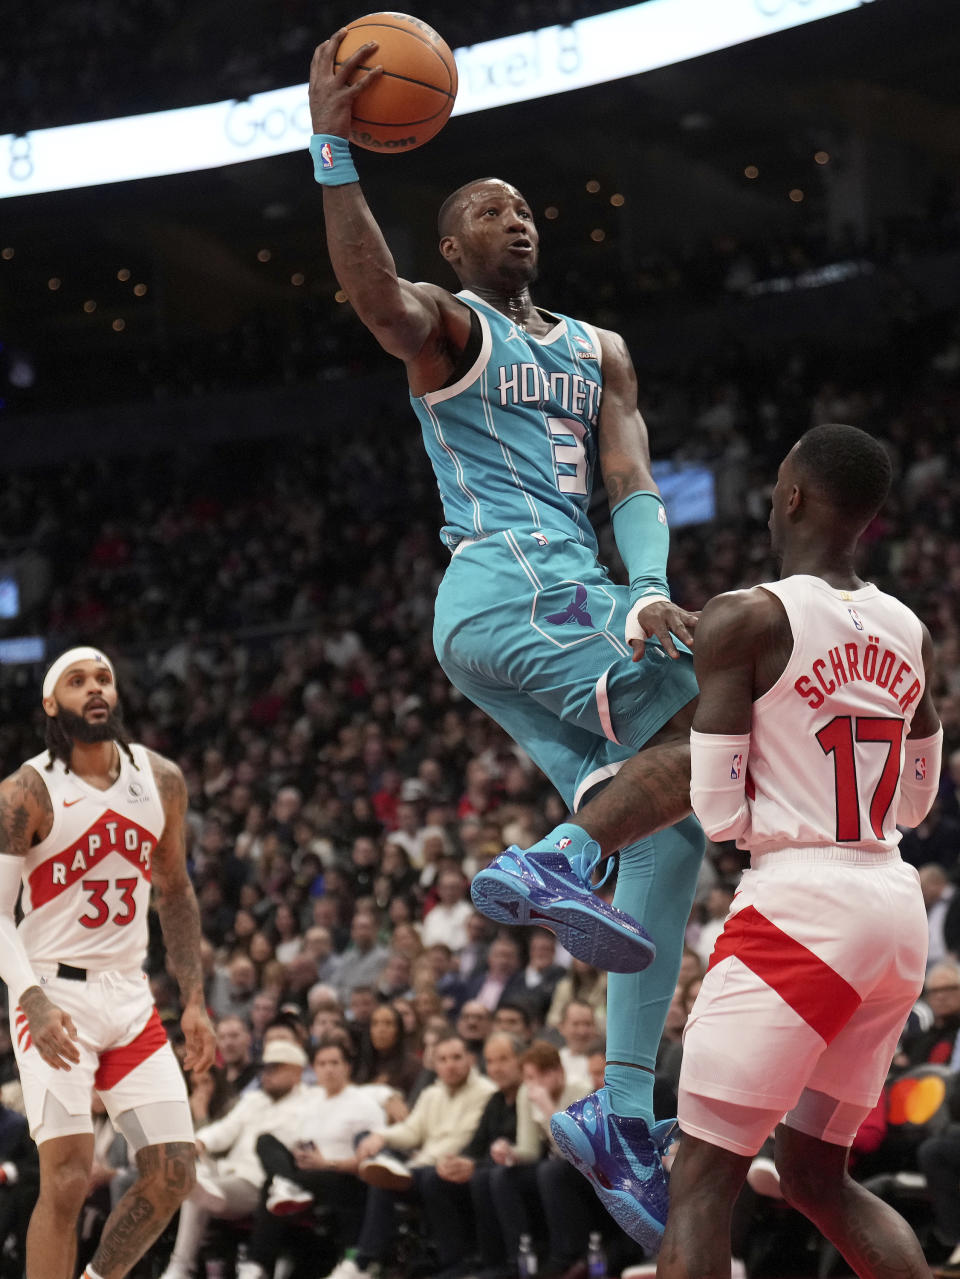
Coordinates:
(87, 828)
(814, 736)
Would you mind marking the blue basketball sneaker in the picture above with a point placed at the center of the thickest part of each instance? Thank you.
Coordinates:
(622, 1159)
(544, 887)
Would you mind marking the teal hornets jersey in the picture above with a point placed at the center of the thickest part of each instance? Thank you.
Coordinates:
(513, 441)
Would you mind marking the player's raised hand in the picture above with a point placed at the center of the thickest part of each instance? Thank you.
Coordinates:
(661, 619)
(330, 95)
(201, 1042)
(52, 1030)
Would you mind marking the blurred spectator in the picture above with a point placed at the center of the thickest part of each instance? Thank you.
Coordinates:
(362, 961)
(582, 982)
(942, 993)
(447, 921)
(213, 1096)
(502, 977)
(320, 1165)
(579, 1030)
(442, 1122)
(385, 1055)
(542, 973)
(937, 895)
(230, 1187)
(474, 1165)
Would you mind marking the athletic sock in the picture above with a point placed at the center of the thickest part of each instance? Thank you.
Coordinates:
(656, 885)
(90, 1273)
(567, 838)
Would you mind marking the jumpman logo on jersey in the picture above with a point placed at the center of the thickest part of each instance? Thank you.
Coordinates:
(575, 612)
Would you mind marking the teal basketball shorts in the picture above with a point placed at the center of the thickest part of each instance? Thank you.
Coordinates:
(530, 628)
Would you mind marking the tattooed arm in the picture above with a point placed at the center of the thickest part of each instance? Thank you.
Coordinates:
(180, 916)
(26, 816)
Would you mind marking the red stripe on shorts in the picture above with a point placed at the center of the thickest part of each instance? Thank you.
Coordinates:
(116, 1063)
(824, 1000)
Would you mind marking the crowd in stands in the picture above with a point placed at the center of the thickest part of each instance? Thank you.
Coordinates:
(95, 59)
(270, 612)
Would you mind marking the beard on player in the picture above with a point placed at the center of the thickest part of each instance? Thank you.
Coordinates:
(67, 727)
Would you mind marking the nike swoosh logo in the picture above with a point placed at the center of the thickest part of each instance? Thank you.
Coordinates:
(69, 803)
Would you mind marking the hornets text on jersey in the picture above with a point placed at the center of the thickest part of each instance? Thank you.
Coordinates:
(514, 440)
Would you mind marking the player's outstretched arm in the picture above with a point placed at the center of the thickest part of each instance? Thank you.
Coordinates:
(179, 914)
(639, 518)
(26, 813)
(401, 316)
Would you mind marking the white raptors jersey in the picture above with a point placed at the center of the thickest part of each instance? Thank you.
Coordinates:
(828, 740)
(86, 887)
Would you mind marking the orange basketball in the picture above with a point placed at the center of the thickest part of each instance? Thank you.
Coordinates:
(412, 100)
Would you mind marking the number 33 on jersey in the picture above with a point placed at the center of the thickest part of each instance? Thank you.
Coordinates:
(86, 887)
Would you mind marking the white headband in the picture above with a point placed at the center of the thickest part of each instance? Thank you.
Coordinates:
(70, 658)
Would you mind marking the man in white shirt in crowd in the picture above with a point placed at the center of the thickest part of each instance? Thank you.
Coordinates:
(320, 1166)
(447, 921)
(229, 1187)
(579, 1029)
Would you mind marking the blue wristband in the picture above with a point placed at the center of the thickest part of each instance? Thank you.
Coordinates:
(332, 161)
(643, 540)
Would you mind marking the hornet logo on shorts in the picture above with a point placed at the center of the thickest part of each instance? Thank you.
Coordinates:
(575, 612)
(326, 156)
(540, 539)
(736, 764)
(856, 618)
(920, 768)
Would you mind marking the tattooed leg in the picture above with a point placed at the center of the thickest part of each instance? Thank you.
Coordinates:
(875, 1240)
(51, 1238)
(651, 790)
(167, 1175)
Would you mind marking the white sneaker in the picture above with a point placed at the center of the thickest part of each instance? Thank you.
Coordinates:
(347, 1269)
(176, 1271)
(737, 1269)
(763, 1178)
(386, 1172)
(286, 1197)
(250, 1270)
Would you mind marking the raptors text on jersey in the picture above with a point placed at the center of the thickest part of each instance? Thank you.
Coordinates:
(827, 741)
(86, 887)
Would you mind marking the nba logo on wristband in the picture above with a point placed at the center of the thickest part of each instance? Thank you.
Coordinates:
(326, 156)
(920, 768)
(735, 767)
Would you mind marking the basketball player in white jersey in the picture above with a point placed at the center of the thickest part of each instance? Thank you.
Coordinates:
(814, 736)
(87, 828)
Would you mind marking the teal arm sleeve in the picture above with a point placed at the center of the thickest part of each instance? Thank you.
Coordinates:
(643, 540)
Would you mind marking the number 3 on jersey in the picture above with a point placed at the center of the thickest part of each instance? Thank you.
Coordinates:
(839, 738)
(569, 454)
(97, 890)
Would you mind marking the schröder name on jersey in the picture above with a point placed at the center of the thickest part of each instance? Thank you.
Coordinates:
(868, 662)
(531, 384)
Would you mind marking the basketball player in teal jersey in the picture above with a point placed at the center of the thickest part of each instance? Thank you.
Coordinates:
(518, 406)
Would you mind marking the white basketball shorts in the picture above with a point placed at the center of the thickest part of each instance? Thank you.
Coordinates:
(809, 985)
(124, 1055)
